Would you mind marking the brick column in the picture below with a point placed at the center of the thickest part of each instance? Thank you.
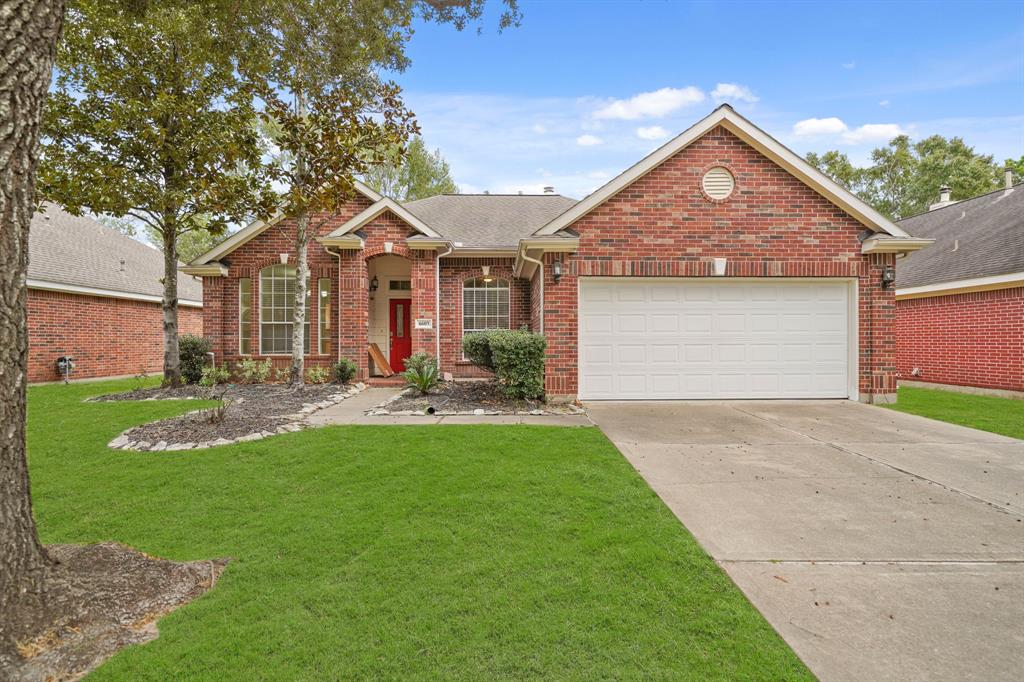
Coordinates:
(353, 310)
(213, 314)
(877, 353)
(560, 312)
(422, 270)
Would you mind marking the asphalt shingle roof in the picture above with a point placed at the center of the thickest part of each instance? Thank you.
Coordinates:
(488, 220)
(979, 237)
(68, 249)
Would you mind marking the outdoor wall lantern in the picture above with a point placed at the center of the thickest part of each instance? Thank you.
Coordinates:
(888, 276)
(374, 285)
(556, 270)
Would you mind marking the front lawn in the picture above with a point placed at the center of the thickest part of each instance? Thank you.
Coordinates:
(381, 552)
(998, 415)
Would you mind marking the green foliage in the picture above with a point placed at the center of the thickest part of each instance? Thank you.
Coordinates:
(253, 371)
(282, 375)
(193, 350)
(318, 375)
(421, 371)
(344, 369)
(516, 357)
(988, 413)
(420, 174)
(1018, 169)
(213, 375)
(904, 177)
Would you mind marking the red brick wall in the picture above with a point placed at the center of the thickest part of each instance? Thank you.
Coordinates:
(772, 226)
(970, 339)
(105, 336)
(454, 272)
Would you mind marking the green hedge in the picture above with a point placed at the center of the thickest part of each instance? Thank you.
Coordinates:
(192, 352)
(516, 358)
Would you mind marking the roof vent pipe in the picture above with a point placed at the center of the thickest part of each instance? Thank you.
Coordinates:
(548, 189)
(944, 194)
(1008, 174)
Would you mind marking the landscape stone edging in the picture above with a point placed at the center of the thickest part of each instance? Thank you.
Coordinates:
(382, 411)
(299, 420)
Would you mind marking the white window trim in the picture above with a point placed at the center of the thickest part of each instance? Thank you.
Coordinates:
(307, 337)
(240, 351)
(462, 306)
(321, 337)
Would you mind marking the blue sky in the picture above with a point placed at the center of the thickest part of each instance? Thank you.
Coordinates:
(583, 89)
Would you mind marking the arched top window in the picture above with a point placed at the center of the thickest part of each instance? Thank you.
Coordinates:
(485, 304)
(277, 305)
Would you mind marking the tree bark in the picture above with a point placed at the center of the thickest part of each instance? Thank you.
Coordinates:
(297, 370)
(172, 357)
(28, 38)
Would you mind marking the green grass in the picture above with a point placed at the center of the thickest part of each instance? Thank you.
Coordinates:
(998, 415)
(433, 552)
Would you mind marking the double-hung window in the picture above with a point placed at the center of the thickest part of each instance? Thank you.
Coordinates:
(277, 303)
(485, 304)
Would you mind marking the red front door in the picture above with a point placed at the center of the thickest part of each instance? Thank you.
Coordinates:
(401, 341)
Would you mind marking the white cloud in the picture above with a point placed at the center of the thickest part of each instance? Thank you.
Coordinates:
(733, 92)
(810, 127)
(651, 133)
(834, 127)
(884, 103)
(872, 132)
(589, 140)
(654, 104)
(539, 128)
(849, 65)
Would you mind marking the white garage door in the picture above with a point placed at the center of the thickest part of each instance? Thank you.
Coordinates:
(650, 339)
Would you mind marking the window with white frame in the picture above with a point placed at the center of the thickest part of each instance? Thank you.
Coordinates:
(245, 316)
(324, 297)
(485, 304)
(277, 303)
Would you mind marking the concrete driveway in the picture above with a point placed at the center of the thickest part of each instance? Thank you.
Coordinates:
(881, 546)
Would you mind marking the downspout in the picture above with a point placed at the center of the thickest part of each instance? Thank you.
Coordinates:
(437, 304)
(337, 303)
(540, 264)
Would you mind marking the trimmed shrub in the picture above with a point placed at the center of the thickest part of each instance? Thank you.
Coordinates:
(516, 358)
(344, 370)
(192, 352)
(254, 371)
(317, 375)
(421, 371)
(214, 375)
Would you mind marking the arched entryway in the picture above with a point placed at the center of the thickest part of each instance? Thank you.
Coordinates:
(390, 309)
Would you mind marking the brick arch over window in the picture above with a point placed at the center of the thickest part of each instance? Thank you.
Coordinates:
(379, 250)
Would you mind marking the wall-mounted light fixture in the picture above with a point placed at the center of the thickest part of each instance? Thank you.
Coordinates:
(556, 270)
(888, 276)
(374, 285)
(486, 269)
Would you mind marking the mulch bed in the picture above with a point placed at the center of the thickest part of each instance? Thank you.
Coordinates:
(469, 397)
(98, 599)
(253, 409)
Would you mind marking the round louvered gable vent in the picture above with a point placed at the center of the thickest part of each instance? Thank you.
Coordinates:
(718, 183)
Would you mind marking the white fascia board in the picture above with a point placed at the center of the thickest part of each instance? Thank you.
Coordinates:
(207, 270)
(427, 244)
(371, 212)
(348, 242)
(541, 245)
(257, 227)
(755, 137)
(481, 252)
(894, 244)
(1007, 281)
(43, 285)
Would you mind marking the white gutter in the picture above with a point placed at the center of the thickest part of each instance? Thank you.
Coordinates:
(540, 272)
(1008, 281)
(104, 293)
(437, 304)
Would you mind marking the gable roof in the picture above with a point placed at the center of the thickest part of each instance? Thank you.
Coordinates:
(726, 116)
(979, 237)
(258, 227)
(79, 255)
(371, 212)
(496, 221)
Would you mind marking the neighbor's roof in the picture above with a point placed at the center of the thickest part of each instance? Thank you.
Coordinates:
(488, 220)
(76, 251)
(979, 237)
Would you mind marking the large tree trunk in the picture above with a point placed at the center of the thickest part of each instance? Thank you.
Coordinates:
(28, 37)
(301, 281)
(172, 358)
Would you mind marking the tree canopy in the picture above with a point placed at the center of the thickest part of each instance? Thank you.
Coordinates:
(420, 174)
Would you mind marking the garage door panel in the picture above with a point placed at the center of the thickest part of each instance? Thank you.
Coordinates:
(660, 339)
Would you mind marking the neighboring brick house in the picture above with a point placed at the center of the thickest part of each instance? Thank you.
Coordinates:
(960, 303)
(94, 295)
(720, 266)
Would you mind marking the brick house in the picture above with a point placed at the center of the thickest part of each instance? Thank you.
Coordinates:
(719, 266)
(960, 303)
(94, 295)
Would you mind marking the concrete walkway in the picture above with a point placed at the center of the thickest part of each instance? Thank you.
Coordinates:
(881, 546)
(352, 411)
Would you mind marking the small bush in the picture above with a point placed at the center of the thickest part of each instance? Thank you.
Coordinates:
(192, 352)
(283, 375)
(254, 371)
(344, 370)
(421, 371)
(214, 375)
(317, 375)
(516, 358)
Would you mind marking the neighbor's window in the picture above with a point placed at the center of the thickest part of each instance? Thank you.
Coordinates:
(277, 298)
(245, 316)
(324, 296)
(484, 305)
